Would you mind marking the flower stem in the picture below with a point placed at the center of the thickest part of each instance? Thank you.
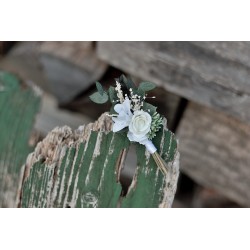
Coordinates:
(158, 160)
(160, 163)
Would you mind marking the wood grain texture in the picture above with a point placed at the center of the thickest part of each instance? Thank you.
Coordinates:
(63, 69)
(189, 70)
(50, 116)
(82, 168)
(215, 152)
(236, 51)
(71, 67)
(19, 105)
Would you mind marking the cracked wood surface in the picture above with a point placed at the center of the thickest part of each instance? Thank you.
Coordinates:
(215, 152)
(214, 74)
(81, 168)
(19, 104)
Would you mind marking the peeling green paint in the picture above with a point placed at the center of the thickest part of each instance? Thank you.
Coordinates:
(87, 174)
(18, 107)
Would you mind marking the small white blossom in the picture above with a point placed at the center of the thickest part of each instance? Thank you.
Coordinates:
(124, 115)
(139, 127)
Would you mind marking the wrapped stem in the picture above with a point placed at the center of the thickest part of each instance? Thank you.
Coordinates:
(158, 160)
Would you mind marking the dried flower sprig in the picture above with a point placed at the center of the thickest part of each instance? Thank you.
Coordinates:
(131, 113)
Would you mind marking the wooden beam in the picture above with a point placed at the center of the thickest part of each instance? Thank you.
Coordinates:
(215, 152)
(63, 69)
(50, 116)
(188, 70)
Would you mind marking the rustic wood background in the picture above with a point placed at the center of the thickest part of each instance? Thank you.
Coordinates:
(204, 92)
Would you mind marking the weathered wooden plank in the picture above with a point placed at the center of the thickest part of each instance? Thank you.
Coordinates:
(82, 168)
(207, 198)
(23, 60)
(18, 107)
(187, 70)
(215, 152)
(50, 116)
(234, 51)
(63, 69)
(70, 67)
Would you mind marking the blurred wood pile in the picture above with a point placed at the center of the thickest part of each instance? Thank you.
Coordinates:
(204, 91)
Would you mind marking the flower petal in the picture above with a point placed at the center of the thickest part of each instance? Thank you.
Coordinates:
(127, 106)
(119, 126)
(130, 136)
(118, 108)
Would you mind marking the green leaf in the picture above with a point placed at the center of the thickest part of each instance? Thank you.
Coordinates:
(126, 82)
(139, 92)
(99, 88)
(98, 98)
(130, 83)
(147, 86)
(149, 108)
(112, 94)
(122, 79)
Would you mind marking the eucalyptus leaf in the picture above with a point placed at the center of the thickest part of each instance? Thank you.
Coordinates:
(147, 86)
(123, 81)
(149, 108)
(99, 88)
(98, 98)
(123, 78)
(139, 92)
(112, 94)
(130, 83)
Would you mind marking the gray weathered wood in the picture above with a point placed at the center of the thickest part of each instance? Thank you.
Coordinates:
(208, 198)
(188, 70)
(238, 52)
(215, 152)
(50, 116)
(64, 69)
(23, 60)
(70, 67)
(82, 168)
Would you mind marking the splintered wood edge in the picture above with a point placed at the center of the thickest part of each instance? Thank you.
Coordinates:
(53, 148)
(171, 181)
(47, 150)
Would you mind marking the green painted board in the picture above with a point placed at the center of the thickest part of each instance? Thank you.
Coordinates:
(82, 169)
(19, 104)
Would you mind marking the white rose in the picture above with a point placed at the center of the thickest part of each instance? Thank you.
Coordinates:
(139, 126)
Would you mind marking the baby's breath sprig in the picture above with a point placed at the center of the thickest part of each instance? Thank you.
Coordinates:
(119, 92)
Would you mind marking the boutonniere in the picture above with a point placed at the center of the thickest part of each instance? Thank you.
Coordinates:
(132, 114)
